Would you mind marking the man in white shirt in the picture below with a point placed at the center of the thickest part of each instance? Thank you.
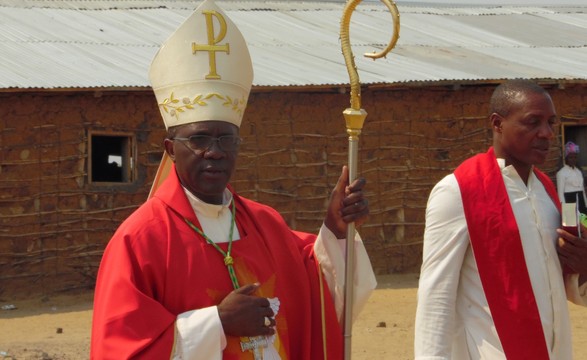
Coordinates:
(491, 284)
(569, 179)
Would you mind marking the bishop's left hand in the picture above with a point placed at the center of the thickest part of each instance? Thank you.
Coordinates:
(347, 204)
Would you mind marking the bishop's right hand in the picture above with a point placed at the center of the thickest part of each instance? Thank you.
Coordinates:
(243, 314)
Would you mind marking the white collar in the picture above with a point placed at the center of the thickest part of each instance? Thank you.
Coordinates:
(511, 172)
(209, 210)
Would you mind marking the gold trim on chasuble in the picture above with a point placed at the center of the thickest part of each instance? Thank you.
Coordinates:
(266, 289)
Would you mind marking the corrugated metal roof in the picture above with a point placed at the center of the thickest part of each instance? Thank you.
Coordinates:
(110, 44)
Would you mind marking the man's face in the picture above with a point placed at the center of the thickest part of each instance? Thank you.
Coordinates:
(527, 131)
(204, 172)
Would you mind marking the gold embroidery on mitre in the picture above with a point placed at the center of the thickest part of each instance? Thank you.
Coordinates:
(175, 107)
(212, 47)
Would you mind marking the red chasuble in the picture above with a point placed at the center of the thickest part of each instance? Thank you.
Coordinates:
(497, 247)
(156, 267)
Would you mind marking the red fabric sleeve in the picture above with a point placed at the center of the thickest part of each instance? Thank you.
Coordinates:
(128, 323)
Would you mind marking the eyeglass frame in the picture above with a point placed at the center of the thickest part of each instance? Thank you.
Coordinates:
(212, 139)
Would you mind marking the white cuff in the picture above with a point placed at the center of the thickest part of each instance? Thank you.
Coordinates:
(331, 256)
(199, 335)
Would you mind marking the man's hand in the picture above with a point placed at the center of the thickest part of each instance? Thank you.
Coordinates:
(243, 314)
(572, 251)
(347, 204)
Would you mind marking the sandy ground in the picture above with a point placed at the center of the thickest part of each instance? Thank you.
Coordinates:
(59, 328)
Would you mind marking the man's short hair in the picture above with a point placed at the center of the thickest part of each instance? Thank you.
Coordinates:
(507, 93)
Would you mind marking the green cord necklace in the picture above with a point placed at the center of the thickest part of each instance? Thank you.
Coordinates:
(228, 260)
(252, 344)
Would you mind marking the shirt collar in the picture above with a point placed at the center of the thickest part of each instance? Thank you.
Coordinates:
(510, 171)
(209, 210)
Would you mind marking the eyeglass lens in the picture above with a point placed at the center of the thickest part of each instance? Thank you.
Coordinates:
(204, 142)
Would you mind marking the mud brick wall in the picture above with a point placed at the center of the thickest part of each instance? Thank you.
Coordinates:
(54, 223)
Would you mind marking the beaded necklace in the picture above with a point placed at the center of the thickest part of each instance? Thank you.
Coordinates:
(228, 260)
(253, 344)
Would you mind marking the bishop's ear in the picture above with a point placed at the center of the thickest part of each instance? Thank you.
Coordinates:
(169, 149)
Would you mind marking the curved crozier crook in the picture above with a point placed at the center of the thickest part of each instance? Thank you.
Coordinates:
(348, 53)
(394, 37)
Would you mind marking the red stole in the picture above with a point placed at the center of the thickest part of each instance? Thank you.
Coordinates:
(497, 247)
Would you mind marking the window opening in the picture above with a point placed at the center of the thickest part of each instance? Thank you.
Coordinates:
(111, 158)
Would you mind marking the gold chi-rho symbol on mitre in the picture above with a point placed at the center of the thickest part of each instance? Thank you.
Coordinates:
(211, 47)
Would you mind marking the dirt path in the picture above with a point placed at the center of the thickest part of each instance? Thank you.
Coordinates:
(59, 328)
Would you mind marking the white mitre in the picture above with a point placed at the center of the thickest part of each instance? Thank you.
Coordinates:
(203, 71)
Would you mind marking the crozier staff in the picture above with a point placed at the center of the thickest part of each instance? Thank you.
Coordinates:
(199, 272)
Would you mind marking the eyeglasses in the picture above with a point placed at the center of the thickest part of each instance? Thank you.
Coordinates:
(227, 143)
